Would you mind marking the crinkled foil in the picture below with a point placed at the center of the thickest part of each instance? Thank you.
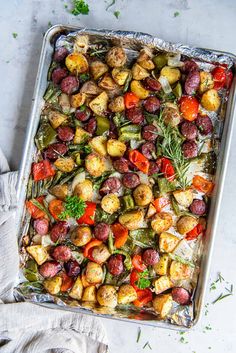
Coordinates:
(132, 42)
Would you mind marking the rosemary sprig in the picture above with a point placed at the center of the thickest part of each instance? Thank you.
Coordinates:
(147, 344)
(223, 296)
(139, 335)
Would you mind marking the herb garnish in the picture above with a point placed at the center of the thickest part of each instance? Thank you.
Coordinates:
(80, 7)
(143, 281)
(223, 296)
(176, 14)
(111, 4)
(147, 344)
(139, 334)
(116, 14)
(74, 207)
(14, 35)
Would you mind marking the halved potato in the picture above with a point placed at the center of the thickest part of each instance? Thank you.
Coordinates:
(116, 57)
(162, 304)
(116, 148)
(132, 219)
(107, 296)
(99, 104)
(84, 190)
(81, 235)
(211, 100)
(143, 195)
(171, 74)
(38, 252)
(180, 271)
(110, 203)
(81, 135)
(95, 164)
(77, 100)
(93, 273)
(126, 294)
(206, 81)
(90, 88)
(162, 284)
(98, 68)
(53, 285)
(161, 222)
(167, 242)
(56, 118)
(89, 294)
(137, 88)
(151, 211)
(117, 104)
(100, 253)
(161, 267)
(120, 75)
(77, 289)
(184, 197)
(139, 73)
(76, 63)
(107, 83)
(186, 223)
(99, 145)
(65, 164)
(145, 60)
(59, 191)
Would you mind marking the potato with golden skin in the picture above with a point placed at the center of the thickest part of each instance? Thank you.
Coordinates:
(145, 60)
(93, 273)
(167, 242)
(78, 99)
(99, 104)
(161, 222)
(65, 164)
(99, 145)
(59, 191)
(161, 267)
(117, 104)
(171, 115)
(143, 195)
(171, 74)
(110, 203)
(211, 100)
(100, 253)
(137, 88)
(120, 75)
(185, 224)
(81, 135)
(116, 148)
(107, 296)
(126, 294)
(98, 68)
(184, 197)
(77, 289)
(76, 63)
(38, 252)
(81, 235)
(84, 190)
(56, 119)
(162, 304)
(132, 219)
(107, 83)
(116, 57)
(162, 283)
(139, 73)
(180, 271)
(90, 88)
(206, 81)
(53, 285)
(95, 164)
(89, 294)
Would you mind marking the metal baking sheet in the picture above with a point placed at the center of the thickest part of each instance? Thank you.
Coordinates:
(134, 40)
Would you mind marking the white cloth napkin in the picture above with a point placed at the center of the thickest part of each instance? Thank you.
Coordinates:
(27, 327)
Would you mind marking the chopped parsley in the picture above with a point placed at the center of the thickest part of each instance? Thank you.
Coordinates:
(74, 207)
(49, 24)
(116, 14)
(176, 14)
(14, 35)
(143, 281)
(80, 8)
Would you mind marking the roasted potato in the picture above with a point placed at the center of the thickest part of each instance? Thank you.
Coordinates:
(53, 285)
(137, 88)
(179, 271)
(211, 100)
(171, 115)
(81, 235)
(167, 242)
(81, 43)
(81, 135)
(184, 197)
(77, 289)
(116, 148)
(126, 294)
(99, 145)
(84, 281)
(144, 60)
(120, 75)
(117, 104)
(143, 195)
(185, 224)
(56, 118)
(162, 304)
(161, 222)
(78, 99)
(116, 57)
(162, 284)
(95, 165)
(206, 81)
(38, 252)
(84, 190)
(59, 191)
(107, 83)
(132, 219)
(93, 273)
(171, 74)
(64, 102)
(139, 73)
(89, 294)
(76, 63)
(99, 104)
(100, 253)
(110, 203)
(161, 267)
(98, 68)
(107, 296)
(90, 88)
(65, 164)
(151, 211)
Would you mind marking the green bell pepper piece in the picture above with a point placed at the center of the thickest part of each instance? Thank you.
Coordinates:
(31, 271)
(127, 202)
(177, 90)
(103, 124)
(45, 136)
(165, 186)
(160, 61)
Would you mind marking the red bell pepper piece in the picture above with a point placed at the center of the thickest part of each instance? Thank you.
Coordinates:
(134, 277)
(42, 170)
(90, 245)
(139, 160)
(89, 214)
(67, 282)
(131, 100)
(189, 107)
(34, 211)
(138, 263)
(167, 168)
(160, 203)
(203, 185)
(56, 208)
(219, 77)
(195, 232)
(120, 233)
(144, 297)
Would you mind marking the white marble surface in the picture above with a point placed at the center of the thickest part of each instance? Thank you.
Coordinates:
(201, 23)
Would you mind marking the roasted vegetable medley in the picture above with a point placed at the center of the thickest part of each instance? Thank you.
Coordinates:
(121, 183)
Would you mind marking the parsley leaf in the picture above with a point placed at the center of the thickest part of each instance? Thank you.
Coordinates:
(14, 35)
(80, 7)
(74, 207)
(116, 14)
(176, 14)
(143, 281)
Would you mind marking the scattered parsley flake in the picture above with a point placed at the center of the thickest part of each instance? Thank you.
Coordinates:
(14, 35)
(139, 335)
(66, 6)
(7, 62)
(209, 347)
(74, 207)
(49, 24)
(143, 281)
(116, 14)
(80, 8)
(176, 14)
(147, 344)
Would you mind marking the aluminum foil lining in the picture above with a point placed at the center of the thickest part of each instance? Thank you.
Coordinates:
(132, 42)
